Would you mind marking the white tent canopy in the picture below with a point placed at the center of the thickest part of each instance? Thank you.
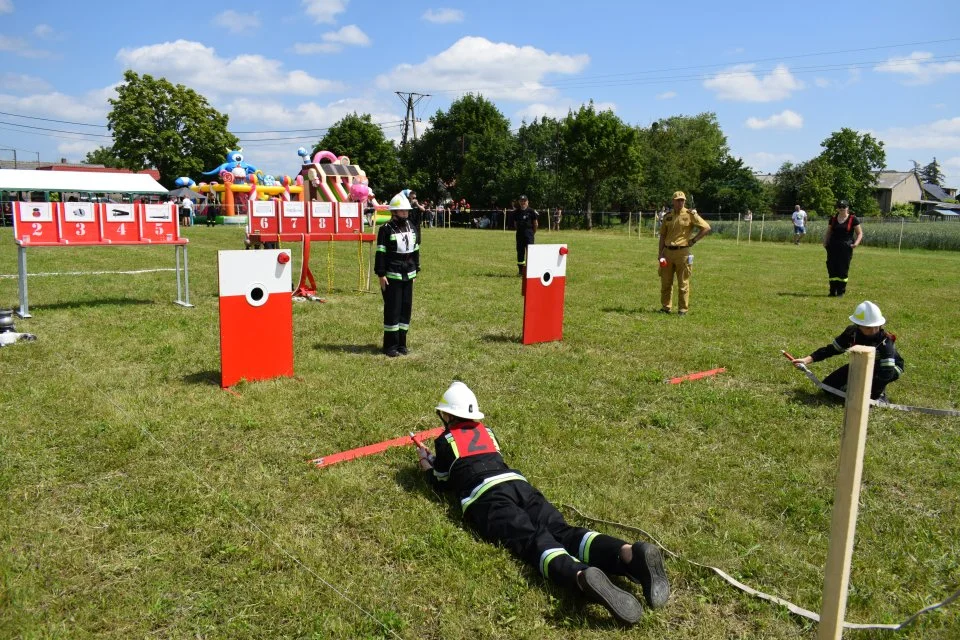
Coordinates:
(79, 181)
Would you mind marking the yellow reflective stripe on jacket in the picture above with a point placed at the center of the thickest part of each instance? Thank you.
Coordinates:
(492, 481)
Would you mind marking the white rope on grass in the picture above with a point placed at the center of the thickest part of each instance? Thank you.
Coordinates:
(11, 276)
(797, 610)
(874, 403)
(233, 506)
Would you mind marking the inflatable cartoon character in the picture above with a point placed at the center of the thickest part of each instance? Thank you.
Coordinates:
(234, 161)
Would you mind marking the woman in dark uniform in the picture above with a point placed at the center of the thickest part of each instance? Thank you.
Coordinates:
(397, 264)
(843, 236)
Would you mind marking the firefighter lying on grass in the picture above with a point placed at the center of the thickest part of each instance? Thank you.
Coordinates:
(503, 508)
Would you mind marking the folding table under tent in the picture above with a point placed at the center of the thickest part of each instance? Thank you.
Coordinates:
(71, 224)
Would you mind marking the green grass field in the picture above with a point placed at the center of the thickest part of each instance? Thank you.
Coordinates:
(139, 500)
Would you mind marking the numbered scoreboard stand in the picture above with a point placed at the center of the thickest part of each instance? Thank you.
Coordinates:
(73, 224)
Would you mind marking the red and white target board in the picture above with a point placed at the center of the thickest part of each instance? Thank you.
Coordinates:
(321, 218)
(79, 223)
(348, 217)
(544, 287)
(256, 315)
(158, 223)
(35, 223)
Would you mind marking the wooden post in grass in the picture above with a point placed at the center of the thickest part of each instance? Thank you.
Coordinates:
(900, 241)
(738, 228)
(843, 522)
(763, 218)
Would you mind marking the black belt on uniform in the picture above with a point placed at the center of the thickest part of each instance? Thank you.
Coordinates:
(675, 247)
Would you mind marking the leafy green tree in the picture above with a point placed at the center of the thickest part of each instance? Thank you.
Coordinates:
(732, 186)
(680, 152)
(815, 191)
(357, 137)
(104, 156)
(599, 147)
(469, 125)
(855, 159)
(168, 127)
(931, 173)
(787, 183)
(535, 169)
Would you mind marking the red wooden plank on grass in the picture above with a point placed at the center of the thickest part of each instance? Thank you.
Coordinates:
(696, 376)
(371, 449)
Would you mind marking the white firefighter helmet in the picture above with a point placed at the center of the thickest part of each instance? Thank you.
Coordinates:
(400, 203)
(868, 314)
(459, 401)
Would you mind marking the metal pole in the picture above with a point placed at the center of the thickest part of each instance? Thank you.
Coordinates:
(843, 521)
(176, 253)
(22, 273)
(186, 278)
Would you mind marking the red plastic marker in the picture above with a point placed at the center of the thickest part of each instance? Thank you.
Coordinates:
(372, 449)
(696, 376)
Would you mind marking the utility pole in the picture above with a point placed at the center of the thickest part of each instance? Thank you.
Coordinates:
(14, 156)
(410, 100)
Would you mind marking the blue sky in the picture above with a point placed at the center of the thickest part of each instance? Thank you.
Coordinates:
(780, 76)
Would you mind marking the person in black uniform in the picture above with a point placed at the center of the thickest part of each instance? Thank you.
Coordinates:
(527, 222)
(397, 265)
(503, 508)
(843, 236)
(867, 330)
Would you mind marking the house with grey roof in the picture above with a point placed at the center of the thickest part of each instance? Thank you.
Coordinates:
(896, 187)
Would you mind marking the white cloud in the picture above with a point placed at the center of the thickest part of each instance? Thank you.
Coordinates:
(495, 69)
(78, 150)
(558, 110)
(268, 113)
(666, 95)
(198, 66)
(324, 11)
(20, 83)
(823, 83)
(333, 41)
(43, 31)
(21, 47)
(786, 119)
(235, 22)
(740, 83)
(918, 67)
(767, 162)
(6, 6)
(941, 134)
(442, 16)
(90, 107)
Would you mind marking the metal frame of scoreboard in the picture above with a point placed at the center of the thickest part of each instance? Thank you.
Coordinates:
(92, 224)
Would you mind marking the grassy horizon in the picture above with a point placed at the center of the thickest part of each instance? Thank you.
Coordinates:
(140, 500)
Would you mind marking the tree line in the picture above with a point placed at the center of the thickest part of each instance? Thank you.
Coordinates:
(589, 160)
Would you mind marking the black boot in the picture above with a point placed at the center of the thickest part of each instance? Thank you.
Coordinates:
(390, 344)
(402, 343)
(833, 289)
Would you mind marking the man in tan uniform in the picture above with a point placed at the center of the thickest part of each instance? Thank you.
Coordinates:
(675, 243)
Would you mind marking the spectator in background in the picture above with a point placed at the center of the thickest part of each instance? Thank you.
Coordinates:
(186, 212)
(799, 218)
(416, 210)
(527, 222)
(556, 218)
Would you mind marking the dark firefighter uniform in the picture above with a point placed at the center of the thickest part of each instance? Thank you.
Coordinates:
(887, 367)
(398, 258)
(525, 221)
(840, 252)
(504, 508)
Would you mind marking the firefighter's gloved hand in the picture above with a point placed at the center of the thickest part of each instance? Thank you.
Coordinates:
(426, 458)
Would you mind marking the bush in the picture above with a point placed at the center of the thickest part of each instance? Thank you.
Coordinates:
(903, 210)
